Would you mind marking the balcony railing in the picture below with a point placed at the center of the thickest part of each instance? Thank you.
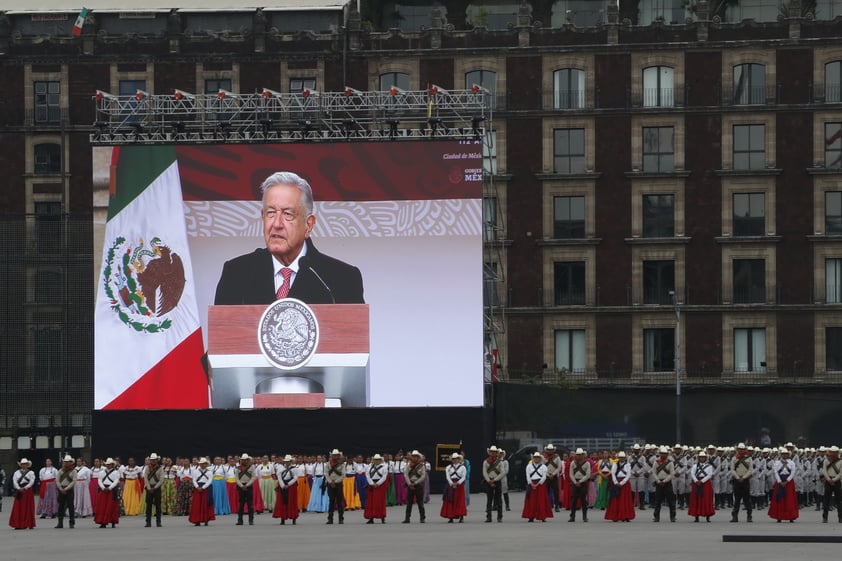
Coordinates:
(751, 95)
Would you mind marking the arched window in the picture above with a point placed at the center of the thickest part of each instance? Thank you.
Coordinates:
(749, 84)
(658, 86)
(389, 79)
(568, 88)
(485, 78)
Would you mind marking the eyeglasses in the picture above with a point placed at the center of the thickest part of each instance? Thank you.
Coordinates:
(271, 213)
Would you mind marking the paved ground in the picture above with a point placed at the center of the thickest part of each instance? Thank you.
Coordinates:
(514, 539)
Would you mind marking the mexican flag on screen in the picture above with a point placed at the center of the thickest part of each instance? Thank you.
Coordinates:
(148, 345)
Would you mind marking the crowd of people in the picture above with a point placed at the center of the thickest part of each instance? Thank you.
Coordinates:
(701, 480)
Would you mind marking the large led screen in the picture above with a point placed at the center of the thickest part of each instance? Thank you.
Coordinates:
(394, 262)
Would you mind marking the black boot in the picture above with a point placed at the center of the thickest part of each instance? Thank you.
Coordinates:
(734, 517)
(60, 523)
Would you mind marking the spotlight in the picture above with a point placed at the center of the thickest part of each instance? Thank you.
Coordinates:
(178, 95)
(267, 93)
(140, 94)
(394, 91)
(349, 91)
(435, 90)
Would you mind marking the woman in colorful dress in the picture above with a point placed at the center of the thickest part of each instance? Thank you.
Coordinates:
(286, 502)
(107, 509)
(201, 505)
(349, 487)
(81, 491)
(603, 469)
(47, 493)
(219, 487)
(23, 507)
(620, 503)
(257, 500)
(305, 479)
(266, 482)
(453, 500)
(132, 486)
(184, 493)
(360, 469)
(784, 504)
(377, 478)
(97, 472)
(536, 505)
(319, 500)
(168, 487)
(398, 473)
(701, 489)
(231, 484)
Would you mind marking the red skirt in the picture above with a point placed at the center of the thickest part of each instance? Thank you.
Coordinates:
(621, 505)
(564, 491)
(93, 489)
(257, 498)
(233, 495)
(537, 503)
(701, 502)
(375, 502)
(286, 508)
(107, 509)
(784, 503)
(23, 511)
(453, 503)
(201, 507)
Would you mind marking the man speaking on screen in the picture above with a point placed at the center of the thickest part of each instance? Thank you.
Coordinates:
(290, 265)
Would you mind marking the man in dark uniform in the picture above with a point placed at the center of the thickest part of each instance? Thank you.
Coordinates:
(65, 483)
(153, 479)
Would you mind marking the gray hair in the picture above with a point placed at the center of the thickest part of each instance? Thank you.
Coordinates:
(293, 179)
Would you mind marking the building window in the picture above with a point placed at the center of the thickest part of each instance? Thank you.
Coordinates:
(213, 85)
(130, 87)
(570, 350)
(833, 280)
(568, 217)
(658, 86)
(658, 216)
(750, 350)
(489, 152)
(298, 85)
(48, 230)
(568, 88)
(749, 146)
(833, 145)
(833, 348)
(489, 219)
(749, 84)
(749, 214)
(49, 354)
(47, 158)
(659, 350)
(389, 79)
(569, 150)
(658, 149)
(658, 281)
(485, 78)
(47, 102)
(48, 286)
(490, 279)
(833, 212)
(749, 281)
(569, 283)
(832, 77)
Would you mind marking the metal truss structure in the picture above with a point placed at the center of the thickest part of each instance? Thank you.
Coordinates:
(308, 116)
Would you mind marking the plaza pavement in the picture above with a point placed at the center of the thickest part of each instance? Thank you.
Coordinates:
(513, 539)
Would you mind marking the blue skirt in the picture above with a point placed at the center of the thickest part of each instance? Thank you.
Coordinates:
(319, 501)
(220, 497)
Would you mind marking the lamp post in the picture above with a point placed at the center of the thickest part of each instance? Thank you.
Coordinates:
(677, 307)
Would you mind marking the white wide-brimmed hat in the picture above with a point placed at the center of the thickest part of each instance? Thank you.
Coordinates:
(67, 458)
(24, 462)
(537, 455)
(288, 458)
(110, 462)
(415, 453)
(492, 449)
(335, 452)
(245, 456)
(663, 450)
(376, 457)
(203, 460)
(549, 446)
(741, 446)
(455, 456)
(154, 456)
(622, 454)
(579, 451)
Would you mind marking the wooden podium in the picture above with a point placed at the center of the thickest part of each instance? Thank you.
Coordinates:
(336, 375)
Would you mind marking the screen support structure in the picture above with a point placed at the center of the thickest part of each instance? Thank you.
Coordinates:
(309, 116)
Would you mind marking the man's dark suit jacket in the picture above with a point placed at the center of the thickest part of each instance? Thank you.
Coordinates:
(248, 279)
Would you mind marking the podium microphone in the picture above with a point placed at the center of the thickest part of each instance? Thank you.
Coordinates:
(321, 280)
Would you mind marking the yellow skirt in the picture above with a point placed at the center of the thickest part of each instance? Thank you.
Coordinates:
(131, 497)
(349, 490)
